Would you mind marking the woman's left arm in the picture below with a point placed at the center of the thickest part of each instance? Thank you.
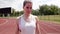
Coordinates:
(38, 26)
(37, 20)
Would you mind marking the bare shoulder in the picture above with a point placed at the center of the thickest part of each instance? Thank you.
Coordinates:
(19, 17)
(37, 19)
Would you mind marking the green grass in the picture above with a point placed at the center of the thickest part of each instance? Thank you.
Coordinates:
(55, 18)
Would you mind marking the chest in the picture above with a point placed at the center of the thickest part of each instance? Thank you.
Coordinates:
(31, 23)
(28, 25)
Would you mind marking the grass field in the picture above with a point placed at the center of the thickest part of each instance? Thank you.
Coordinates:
(55, 18)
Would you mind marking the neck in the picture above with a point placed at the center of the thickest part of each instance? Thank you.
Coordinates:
(26, 15)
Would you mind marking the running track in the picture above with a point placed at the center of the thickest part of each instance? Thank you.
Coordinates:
(9, 26)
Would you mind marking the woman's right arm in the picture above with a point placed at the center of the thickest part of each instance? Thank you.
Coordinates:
(18, 21)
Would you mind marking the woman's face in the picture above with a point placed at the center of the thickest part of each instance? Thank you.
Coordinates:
(28, 8)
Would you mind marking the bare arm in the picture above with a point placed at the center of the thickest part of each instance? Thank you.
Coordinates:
(38, 26)
(18, 20)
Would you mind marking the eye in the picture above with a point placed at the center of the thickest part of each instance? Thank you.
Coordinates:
(27, 7)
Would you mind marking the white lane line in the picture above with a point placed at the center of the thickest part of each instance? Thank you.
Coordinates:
(4, 22)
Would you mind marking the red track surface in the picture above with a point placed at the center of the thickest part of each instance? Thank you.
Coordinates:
(9, 26)
(49, 28)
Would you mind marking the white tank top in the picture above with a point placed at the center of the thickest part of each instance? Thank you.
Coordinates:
(27, 27)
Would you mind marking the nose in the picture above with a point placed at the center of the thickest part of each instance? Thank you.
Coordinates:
(29, 9)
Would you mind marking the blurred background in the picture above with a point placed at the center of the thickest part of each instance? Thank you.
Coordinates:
(48, 10)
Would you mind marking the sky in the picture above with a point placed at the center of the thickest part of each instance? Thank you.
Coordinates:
(18, 4)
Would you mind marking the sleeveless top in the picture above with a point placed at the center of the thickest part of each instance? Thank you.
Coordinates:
(27, 27)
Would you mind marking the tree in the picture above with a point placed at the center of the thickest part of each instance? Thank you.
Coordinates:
(59, 11)
(35, 12)
(54, 9)
(48, 10)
